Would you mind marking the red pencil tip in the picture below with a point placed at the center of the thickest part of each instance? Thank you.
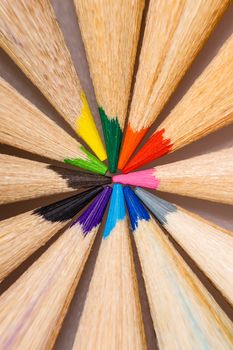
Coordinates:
(131, 141)
(155, 147)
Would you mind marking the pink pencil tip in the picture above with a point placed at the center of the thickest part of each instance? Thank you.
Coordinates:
(144, 178)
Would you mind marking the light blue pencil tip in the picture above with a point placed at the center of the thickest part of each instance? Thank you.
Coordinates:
(116, 210)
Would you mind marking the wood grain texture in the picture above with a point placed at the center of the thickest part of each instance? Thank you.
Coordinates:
(24, 179)
(33, 308)
(26, 127)
(184, 314)
(23, 234)
(209, 176)
(209, 245)
(205, 108)
(20, 236)
(110, 31)
(174, 34)
(208, 104)
(112, 311)
(30, 34)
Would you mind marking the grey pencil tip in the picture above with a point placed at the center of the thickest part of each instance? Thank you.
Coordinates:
(159, 207)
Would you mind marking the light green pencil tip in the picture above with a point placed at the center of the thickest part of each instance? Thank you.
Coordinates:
(91, 163)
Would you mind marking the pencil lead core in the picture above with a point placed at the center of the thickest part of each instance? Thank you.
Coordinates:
(113, 136)
(91, 163)
(131, 141)
(86, 128)
(156, 147)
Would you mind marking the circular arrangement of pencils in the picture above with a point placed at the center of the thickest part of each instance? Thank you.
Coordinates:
(137, 52)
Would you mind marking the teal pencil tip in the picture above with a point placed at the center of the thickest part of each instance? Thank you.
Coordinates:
(113, 138)
(91, 163)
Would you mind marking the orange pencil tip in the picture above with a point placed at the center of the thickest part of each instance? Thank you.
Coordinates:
(131, 141)
(156, 147)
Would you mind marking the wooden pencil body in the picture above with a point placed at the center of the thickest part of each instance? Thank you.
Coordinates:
(22, 235)
(33, 309)
(30, 34)
(185, 316)
(174, 34)
(112, 308)
(210, 246)
(207, 106)
(110, 31)
(25, 127)
(209, 176)
(24, 179)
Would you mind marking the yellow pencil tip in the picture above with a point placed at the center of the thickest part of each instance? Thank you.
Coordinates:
(87, 130)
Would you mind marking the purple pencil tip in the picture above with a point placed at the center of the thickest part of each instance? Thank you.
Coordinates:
(94, 213)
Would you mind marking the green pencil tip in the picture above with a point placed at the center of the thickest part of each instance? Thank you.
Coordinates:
(91, 163)
(113, 137)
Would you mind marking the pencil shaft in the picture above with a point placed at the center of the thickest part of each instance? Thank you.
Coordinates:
(48, 285)
(25, 127)
(23, 234)
(209, 176)
(24, 179)
(30, 34)
(210, 246)
(205, 108)
(165, 57)
(112, 310)
(110, 31)
(33, 308)
(184, 314)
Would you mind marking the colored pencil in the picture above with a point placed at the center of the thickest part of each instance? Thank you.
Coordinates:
(110, 31)
(33, 308)
(23, 179)
(30, 34)
(22, 235)
(210, 246)
(209, 176)
(184, 314)
(112, 310)
(26, 127)
(205, 108)
(165, 57)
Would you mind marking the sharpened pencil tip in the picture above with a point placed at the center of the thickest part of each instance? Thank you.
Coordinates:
(93, 215)
(158, 206)
(156, 147)
(136, 209)
(131, 141)
(91, 163)
(86, 128)
(144, 178)
(116, 211)
(113, 136)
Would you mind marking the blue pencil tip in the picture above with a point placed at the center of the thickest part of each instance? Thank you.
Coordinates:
(136, 209)
(116, 210)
